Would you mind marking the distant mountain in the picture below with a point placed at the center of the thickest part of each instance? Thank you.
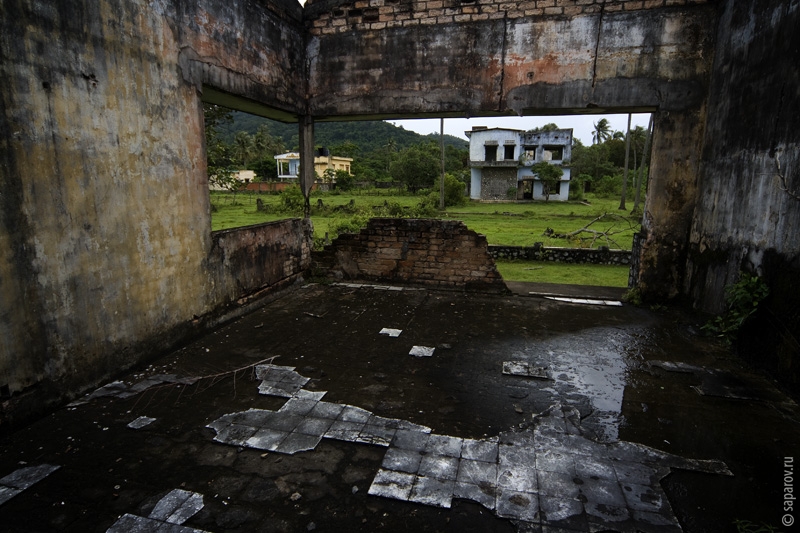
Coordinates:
(367, 135)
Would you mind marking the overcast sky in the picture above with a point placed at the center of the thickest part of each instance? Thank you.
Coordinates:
(582, 125)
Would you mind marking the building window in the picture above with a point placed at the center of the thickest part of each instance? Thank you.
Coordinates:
(491, 152)
(556, 151)
(509, 152)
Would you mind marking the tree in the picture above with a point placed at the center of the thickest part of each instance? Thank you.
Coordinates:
(243, 148)
(344, 181)
(219, 157)
(416, 168)
(592, 160)
(549, 175)
(602, 131)
(625, 171)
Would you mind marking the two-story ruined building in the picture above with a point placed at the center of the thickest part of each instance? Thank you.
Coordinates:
(501, 159)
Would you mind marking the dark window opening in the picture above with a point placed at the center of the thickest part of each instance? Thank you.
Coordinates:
(491, 153)
(509, 152)
(556, 151)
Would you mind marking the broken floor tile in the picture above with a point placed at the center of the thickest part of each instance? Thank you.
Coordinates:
(141, 422)
(517, 505)
(444, 445)
(391, 332)
(439, 466)
(401, 460)
(264, 439)
(297, 442)
(433, 491)
(169, 513)
(421, 351)
(24, 478)
(389, 484)
(477, 473)
(177, 507)
(119, 389)
(6, 493)
(524, 368)
(549, 476)
(480, 450)
(484, 494)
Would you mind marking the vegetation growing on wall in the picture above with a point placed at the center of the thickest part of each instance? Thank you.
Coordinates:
(742, 300)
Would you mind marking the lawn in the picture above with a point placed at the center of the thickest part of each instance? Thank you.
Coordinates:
(517, 224)
(537, 271)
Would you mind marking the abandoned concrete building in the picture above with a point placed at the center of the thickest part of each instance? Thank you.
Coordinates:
(105, 265)
(501, 160)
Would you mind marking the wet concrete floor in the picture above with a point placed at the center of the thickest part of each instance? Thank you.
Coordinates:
(630, 421)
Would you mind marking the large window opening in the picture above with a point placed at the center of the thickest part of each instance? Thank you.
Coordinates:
(591, 203)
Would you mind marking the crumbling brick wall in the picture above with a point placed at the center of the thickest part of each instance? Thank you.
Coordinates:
(440, 253)
(327, 16)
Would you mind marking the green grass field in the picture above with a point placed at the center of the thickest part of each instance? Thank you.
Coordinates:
(517, 224)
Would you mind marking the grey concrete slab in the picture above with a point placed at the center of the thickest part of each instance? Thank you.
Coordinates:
(477, 472)
(444, 445)
(177, 506)
(402, 460)
(480, 450)
(263, 439)
(141, 422)
(518, 505)
(433, 491)
(390, 484)
(440, 467)
(485, 495)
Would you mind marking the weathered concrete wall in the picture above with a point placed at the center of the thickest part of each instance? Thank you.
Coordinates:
(745, 219)
(107, 251)
(439, 253)
(456, 58)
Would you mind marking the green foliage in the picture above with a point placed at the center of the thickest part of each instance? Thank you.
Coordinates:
(633, 296)
(511, 193)
(742, 300)
(344, 181)
(453, 191)
(608, 186)
(745, 526)
(416, 168)
(292, 199)
(549, 175)
(577, 187)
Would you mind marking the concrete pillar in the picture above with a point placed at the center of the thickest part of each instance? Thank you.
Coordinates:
(672, 194)
(306, 160)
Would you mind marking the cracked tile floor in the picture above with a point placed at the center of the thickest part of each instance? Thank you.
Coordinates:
(302, 416)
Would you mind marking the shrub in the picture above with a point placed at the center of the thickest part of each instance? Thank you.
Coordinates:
(292, 199)
(742, 300)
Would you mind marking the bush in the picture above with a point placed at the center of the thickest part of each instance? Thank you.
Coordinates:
(453, 191)
(608, 187)
(344, 181)
(292, 199)
(742, 300)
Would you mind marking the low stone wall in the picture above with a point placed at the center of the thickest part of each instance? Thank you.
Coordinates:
(602, 256)
(440, 253)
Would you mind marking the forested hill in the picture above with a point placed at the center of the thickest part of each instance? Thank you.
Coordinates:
(367, 135)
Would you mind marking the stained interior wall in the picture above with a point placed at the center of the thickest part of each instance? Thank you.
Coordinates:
(747, 217)
(105, 222)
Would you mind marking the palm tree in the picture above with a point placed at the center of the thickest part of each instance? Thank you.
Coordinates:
(602, 131)
(243, 147)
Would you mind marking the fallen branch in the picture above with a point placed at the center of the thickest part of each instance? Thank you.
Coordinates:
(594, 234)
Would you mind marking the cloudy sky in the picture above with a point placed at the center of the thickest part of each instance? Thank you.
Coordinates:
(582, 125)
